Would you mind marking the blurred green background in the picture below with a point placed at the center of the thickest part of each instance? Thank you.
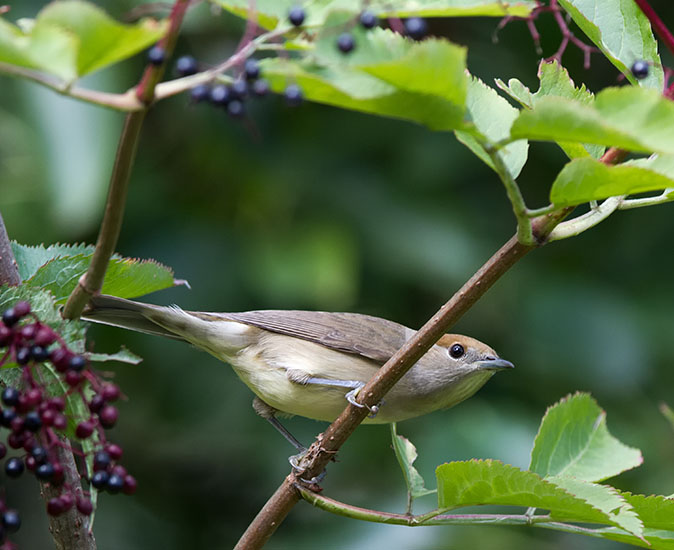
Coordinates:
(324, 209)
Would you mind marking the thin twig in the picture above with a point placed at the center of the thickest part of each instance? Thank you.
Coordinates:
(327, 443)
(92, 281)
(666, 196)
(588, 220)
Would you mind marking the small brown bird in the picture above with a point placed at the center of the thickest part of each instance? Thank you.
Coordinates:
(308, 362)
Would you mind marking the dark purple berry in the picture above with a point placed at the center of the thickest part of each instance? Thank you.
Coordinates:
(3, 451)
(186, 65)
(156, 55)
(44, 471)
(57, 478)
(48, 417)
(345, 42)
(260, 87)
(252, 69)
(15, 440)
(114, 450)
(33, 397)
(6, 417)
(9, 317)
(119, 470)
(416, 28)
(10, 396)
(235, 108)
(11, 520)
(220, 95)
(108, 416)
(67, 499)
(200, 92)
(73, 378)
(21, 309)
(110, 392)
(27, 333)
(115, 484)
(60, 357)
(84, 429)
(57, 404)
(101, 461)
(55, 506)
(31, 463)
(96, 403)
(130, 485)
(17, 425)
(85, 506)
(293, 95)
(296, 15)
(100, 479)
(44, 336)
(60, 422)
(5, 335)
(640, 69)
(368, 19)
(23, 356)
(39, 454)
(30, 443)
(77, 363)
(39, 353)
(14, 467)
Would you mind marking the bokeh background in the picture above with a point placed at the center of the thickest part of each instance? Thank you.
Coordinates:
(324, 209)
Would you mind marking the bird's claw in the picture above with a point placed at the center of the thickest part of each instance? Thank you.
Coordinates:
(351, 398)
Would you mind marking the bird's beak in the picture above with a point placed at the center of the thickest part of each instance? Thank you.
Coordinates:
(495, 363)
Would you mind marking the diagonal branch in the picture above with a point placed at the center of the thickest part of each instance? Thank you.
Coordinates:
(92, 281)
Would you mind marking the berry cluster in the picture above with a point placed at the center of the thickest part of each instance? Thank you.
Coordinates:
(34, 419)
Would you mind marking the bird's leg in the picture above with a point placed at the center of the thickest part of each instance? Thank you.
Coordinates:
(301, 377)
(269, 414)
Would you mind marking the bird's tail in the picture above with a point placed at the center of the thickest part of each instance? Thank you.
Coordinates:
(119, 312)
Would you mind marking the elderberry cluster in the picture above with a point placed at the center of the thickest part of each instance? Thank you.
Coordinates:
(35, 420)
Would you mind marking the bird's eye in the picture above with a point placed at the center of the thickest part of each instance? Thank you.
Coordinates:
(456, 351)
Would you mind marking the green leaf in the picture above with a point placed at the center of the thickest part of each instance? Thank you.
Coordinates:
(478, 482)
(607, 499)
(583, 180)
(653, 539)
(270, 13)
(554, 81)
(406, 453)
(492, 117)
(622, 32)
(58, 268)
(656, 511)
(71, 38)
(632, 118)
(573, 441)
(375, 81)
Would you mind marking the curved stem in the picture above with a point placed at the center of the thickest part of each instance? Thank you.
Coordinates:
(582, 223)
(666, 196)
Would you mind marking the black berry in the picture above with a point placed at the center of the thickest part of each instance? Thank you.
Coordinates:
(293, 94)
(252, 69)
(200, 92)
(186, 65)
(44, 471)
(235, 109)
(345, 42)
(239, 89)
(220, 95)
(96, 403)
(640, 69)
(296, 15)
(416, 28)
(33, 422)
(77, 363)
(156, 55)
(100, 479)
(115, 484)
(368, 19)
(10, 396)
(39, 454)
(11, 520)
(101, 460)
(14, 467)
(39, 353)
(6, 417)
(9, 317)
(23, 356)
(260, 87)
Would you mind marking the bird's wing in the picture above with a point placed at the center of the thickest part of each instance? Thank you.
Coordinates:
(371, 337)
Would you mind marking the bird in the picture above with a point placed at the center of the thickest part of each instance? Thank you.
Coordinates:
(310, 363)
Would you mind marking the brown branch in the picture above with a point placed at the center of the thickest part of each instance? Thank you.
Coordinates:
(69, 530)
(92, 281)
(9, 272)
(323, 450)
